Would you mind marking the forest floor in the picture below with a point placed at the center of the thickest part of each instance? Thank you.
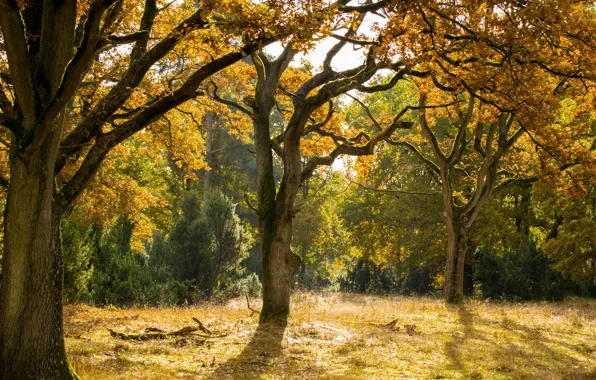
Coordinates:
(342, 336)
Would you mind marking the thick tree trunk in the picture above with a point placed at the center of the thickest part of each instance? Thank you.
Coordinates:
(280, 264)
(31, 340)
(274, 207)
(456, 258)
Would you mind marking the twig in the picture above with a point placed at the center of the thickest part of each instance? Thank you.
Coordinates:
(250, 204)
(248, 305)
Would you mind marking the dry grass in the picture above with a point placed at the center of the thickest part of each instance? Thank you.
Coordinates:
(343, 336)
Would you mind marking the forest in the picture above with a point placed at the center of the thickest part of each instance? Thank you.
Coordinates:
(297, 189)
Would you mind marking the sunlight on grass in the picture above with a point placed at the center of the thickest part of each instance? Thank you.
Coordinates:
(338, 335)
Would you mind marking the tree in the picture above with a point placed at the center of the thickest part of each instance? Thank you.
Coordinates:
(276, 204)
(208, 243)
(50, 47)
(509, 56)
(492, 141)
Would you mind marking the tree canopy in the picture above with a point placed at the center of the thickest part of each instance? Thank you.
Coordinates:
(161, 152)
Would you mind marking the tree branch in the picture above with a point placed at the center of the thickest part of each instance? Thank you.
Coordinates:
(90, 127)
(351, 150)
(78, 65)
(460, 140)
(316, 126)
(439, 156)
(230, 103)
(17, 53)
(69, 192)
(392, 191)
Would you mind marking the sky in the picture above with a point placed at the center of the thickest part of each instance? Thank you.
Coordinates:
(347, 58)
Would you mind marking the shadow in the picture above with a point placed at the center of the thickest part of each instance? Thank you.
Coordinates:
(256, 358)
(529, 353)
(466, 320)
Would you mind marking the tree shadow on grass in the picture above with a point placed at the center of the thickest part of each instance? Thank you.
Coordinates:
(466, 320)
(258, 355)
(528, 353)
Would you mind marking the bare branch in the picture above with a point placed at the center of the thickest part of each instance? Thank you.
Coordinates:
(17, 52)
(427, 132)
(342, 41)
(316, 126)
(371, 7)
(354, 41)
(368, 112)
(133, 37)
(393, 191)
(460, 140)
(230, 103)
(417, 153)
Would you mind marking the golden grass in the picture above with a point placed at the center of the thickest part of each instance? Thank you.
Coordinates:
(343, 336)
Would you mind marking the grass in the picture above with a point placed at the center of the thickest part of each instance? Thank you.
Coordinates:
(343, 336)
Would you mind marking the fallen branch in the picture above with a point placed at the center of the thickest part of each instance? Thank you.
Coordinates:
(253, 311)
(201, 326)
(152, 333)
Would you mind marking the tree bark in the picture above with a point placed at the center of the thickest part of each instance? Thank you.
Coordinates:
(456, 258)
(275, 225)
(31, 339)
(208, 179)
(280, 266)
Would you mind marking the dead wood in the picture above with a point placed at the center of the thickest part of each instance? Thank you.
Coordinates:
(152, 333)
(411, 329)
(253, 311)
(201, 326)
(154, 329)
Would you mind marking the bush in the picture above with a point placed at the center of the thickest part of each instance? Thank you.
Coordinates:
(77, 249)
(207, 244)
(524, 274)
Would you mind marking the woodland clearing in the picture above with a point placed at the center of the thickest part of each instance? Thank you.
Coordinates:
(341, 336)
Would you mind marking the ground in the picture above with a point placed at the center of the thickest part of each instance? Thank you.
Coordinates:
(342, 336)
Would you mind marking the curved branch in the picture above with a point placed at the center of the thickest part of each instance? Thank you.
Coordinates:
(105, 142)
(316, 126)
(460, 140)
(230, 103)
(392, 191)
(78, 65)
(90, 127)
(417, 153)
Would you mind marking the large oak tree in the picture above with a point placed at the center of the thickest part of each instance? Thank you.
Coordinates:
(49, 48)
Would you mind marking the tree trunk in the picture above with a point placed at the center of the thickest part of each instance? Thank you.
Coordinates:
(31, 339)
(280, 264)
(456, 258)
(208, 179)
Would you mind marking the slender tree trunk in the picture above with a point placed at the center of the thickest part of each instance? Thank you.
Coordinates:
(208, 179)
(31, 339)
(303, 253)
(456, 258)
